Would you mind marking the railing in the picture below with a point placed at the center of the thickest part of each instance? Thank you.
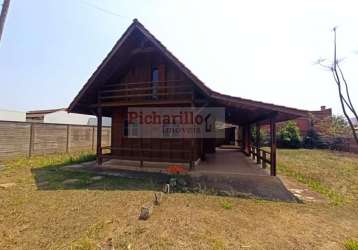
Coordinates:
(261, 156)
(148, 154)
(158, 90)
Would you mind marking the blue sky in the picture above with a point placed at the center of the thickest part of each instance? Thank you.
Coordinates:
(262, 50)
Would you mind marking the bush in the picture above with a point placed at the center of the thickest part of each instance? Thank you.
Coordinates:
(289, 136)
(313, 140)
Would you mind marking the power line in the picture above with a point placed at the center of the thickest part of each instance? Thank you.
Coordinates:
(103, 10)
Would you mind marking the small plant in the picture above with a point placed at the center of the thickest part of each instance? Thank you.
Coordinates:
(351, 244)
(227, 205)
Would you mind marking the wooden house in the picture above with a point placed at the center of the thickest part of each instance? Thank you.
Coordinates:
(141, 72)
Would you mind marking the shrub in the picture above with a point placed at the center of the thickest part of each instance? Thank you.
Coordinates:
(313, 140)
(289, 136)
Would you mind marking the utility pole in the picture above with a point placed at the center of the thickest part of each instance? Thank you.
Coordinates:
(4, 9)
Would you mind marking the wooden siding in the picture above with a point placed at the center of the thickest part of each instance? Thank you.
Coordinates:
(21, 139)
(136, 85)
(156, 149)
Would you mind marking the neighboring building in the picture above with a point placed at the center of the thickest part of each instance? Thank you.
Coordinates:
(141, 72)
(313, 119)
(11, 115)
(61, 116)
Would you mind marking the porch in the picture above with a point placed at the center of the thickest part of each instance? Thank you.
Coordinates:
(228, 171)
(229, 162)
(222, 162)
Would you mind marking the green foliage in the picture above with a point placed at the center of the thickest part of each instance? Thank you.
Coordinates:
(313, 140)
(289, 136)
(351, 244)
(227, 205)
(335, 127)
(50, 160)
(264, 137)
(340, 127)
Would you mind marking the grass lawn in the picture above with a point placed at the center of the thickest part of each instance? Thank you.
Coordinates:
(44, 211)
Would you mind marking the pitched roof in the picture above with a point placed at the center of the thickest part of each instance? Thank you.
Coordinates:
(136, 25)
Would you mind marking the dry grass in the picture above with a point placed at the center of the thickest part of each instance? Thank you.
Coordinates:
(41, 212)
(334, 174)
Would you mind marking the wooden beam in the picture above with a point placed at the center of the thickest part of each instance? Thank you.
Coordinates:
(146, 95)
(258, 156)
(121, 84)
(273, 147)
(265, 117)
(139, 103)
(99, 136)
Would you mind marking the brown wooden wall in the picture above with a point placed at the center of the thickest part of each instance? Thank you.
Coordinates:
(156, 149)
(18, 139)
(134, 82)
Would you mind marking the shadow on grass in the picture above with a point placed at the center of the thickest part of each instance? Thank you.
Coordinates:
(58, 177)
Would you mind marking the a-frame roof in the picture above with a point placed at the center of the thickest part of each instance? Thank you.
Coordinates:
(97, 78)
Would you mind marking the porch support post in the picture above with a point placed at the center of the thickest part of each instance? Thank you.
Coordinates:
(99, 136)
(258, 155)
(273, 147)
(242, 138)
(247, 139)
(192, 142)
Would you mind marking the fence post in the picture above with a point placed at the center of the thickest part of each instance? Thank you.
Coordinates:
(93, 138)
(68, 138)
(31, 143)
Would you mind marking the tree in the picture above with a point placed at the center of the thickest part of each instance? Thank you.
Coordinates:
(289, 136)
(313, 140)
(4, 9)
(334, 127)
(342, 87)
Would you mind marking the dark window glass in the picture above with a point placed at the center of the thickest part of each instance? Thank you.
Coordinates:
(155, 79)
(155, 74)
(125, 130)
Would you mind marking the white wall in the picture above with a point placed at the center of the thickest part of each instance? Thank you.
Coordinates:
(67, 118)
(8, 115)
(63, 117)
(106, 121)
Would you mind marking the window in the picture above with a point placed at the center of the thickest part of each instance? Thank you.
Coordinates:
(154, 80)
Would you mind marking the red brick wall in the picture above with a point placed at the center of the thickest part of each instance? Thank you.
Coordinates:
(314, 118)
